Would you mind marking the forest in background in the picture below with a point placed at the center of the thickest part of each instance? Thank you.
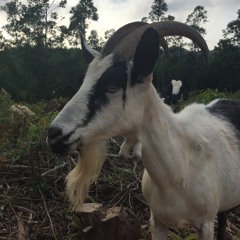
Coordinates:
(42, 60)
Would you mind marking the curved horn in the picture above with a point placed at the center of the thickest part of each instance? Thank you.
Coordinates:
(121, 33)
(164, 45)
(124, 31)
(88, 53)
(127, 46)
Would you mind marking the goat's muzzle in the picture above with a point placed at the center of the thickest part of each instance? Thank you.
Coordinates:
(59, 142)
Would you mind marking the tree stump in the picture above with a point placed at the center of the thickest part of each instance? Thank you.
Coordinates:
(90, 214)
(116, 223)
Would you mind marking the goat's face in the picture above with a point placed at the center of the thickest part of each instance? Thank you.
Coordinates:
(111, 99)
(113, 96)
(175, 91)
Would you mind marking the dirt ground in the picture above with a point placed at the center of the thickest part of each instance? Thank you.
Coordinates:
(33, 204)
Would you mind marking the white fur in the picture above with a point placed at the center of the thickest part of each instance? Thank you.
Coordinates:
(90, 161)
(176, 84)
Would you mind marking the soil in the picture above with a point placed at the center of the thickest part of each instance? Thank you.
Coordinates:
(33, 203)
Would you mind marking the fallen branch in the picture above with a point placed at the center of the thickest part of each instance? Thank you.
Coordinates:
(54, 169)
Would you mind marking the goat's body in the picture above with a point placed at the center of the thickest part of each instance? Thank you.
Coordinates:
(196, 179)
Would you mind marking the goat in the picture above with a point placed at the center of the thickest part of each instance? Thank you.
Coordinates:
(191, 159)
(173, 92)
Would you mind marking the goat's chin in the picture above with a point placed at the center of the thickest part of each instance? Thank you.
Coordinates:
(73, 148)
(90, 158)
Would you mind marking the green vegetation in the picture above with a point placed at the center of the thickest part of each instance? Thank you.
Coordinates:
(205, 96)
(20, 136)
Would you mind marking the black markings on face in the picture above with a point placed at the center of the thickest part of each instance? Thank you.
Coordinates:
(145, 56)
(111, 81)
(57, 141)
(230, 110)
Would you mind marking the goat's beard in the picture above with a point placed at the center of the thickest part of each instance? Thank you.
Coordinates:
(90, 160)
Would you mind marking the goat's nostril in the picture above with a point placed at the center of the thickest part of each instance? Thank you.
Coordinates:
(54, 132)
(57, 141)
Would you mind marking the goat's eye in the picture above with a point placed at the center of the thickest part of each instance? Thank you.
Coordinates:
(112, 88)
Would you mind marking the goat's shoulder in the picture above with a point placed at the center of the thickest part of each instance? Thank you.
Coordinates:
(192, 113)
(219, 119)
(196, 121)
(226, 109)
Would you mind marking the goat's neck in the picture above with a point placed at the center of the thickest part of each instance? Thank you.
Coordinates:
(161, 138)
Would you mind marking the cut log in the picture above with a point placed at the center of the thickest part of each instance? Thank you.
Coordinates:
(90, 214)
(117, 223)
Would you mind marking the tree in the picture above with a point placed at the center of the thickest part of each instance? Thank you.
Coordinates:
(14, 15)
(233, 31)
(168, 18)
(196, 18)
(109, 33)
(3, 42)
(144, 19)
(81, 14)
(27, 76)
(34, 24)
(93, 40)
(175, 41)
(158, 9)
(223, 70)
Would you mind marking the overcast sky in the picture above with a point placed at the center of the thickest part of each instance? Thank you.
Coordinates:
(116, 13)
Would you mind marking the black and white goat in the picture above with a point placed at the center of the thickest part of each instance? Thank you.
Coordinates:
(191, 159)
(173, 92)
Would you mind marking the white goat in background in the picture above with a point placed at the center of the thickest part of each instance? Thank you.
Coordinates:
(191, 159)
(173, 92)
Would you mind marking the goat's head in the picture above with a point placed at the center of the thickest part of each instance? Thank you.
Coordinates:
(113, 96)
(176, 88)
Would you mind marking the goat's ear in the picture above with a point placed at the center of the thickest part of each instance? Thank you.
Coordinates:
(88, 53)
(145, 56)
